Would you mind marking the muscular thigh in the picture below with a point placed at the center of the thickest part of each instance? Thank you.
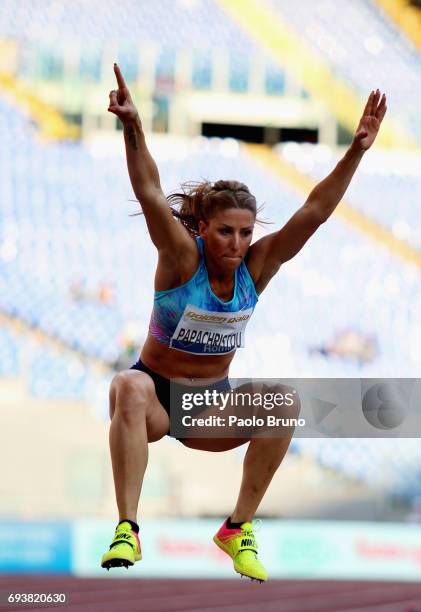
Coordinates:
(135, 390)
(218, 438)
(246, 417)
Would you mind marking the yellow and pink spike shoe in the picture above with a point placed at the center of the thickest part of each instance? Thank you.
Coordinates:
(240, 544)
(124, 549)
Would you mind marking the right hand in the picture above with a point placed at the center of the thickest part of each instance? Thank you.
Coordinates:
(121, 103)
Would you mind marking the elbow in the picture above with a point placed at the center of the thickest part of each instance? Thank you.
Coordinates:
(316, 213)
(323, 217)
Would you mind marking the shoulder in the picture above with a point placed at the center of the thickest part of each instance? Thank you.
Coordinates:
(177, 266)
(256, 261)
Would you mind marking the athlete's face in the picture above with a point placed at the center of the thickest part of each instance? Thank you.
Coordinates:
(228, 235)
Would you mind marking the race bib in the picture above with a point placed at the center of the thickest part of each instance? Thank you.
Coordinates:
(205, 332)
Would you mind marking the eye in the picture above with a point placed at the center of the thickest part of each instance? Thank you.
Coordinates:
(247, 232)
(224, 231)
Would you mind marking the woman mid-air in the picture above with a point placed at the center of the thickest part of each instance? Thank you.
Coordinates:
(205, 261)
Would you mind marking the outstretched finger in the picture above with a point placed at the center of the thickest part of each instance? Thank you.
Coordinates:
(382, 108)
(369, 104)
(375, 101)
(119, 77)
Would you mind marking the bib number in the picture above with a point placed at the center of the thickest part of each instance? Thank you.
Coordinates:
(205, 332)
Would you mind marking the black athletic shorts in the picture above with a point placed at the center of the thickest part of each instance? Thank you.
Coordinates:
(163, 386)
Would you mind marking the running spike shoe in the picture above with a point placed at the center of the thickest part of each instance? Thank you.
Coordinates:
(240, 544)
(124, 549)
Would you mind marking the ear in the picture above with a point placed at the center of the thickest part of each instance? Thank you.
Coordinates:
(202, 229)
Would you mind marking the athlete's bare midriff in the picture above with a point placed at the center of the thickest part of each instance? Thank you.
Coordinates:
(172, 363)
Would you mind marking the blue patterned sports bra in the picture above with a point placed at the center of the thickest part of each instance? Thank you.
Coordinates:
(193, 319)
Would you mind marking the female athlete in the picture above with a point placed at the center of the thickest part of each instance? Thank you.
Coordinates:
(206, 266)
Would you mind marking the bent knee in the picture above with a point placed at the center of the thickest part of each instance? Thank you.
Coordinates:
(129, 383)
(283, 400)
(130, 393)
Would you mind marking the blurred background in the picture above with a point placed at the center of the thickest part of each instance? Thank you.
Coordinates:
(268, 93)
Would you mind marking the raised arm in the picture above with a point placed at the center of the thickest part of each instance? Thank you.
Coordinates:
(329, 192)
(267, 254)
(166, 233)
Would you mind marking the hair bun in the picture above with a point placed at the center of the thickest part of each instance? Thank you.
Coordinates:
(233, 186)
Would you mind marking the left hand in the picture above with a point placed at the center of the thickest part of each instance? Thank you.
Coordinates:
(369, 124)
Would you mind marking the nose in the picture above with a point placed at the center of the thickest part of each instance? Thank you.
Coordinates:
(235, 242)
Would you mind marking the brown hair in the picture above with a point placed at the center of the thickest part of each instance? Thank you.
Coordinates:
(199, 201)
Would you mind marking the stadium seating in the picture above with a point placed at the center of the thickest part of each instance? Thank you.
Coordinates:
(388, 465)
(364, 48)
(135, 29)
(386, 187)
(9, 354)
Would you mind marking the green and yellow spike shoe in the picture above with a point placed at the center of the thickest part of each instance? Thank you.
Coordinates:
(240, 544)
(124, 549)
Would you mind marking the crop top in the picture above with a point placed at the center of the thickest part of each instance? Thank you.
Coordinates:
(191, 318)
